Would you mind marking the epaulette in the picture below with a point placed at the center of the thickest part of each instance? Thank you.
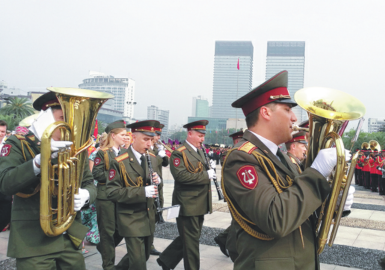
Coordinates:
(20, 137)
(181, 149)
(151, 154)
(122, 157)
(247, 147)
(31, 137)
(104, 149)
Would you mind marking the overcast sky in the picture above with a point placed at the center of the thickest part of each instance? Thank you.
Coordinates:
(167, 47)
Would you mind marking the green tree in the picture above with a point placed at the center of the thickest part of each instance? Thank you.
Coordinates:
(17, 108)
(12, 122)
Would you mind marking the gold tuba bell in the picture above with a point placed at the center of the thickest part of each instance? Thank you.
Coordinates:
(374, 145)
(364, 145)
(328, 109)
(59, 183)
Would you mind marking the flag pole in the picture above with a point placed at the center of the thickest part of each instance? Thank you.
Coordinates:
(236, 110)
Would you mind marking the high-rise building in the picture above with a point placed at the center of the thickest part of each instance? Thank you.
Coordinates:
(233, 75)
(122, 88)
(200, 107)
(154, 113)
(374, 124)
(290, 56)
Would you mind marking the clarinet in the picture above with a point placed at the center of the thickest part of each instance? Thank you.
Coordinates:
(157, 201)
(220, 195)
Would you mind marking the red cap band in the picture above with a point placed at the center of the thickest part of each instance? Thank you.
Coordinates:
(263, 99)
(296, 139)
(141, 129)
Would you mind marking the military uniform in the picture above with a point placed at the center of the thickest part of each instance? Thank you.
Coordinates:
(27, 239)
(272, 204)
(135, 212)
(365, 169)
(357, 171)
(105, 208)
(299, 137)
(192, 191)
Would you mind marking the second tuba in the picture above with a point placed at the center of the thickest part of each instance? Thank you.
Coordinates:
(60, 182)
(328, 110)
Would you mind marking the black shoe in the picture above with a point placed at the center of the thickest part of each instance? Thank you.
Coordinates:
(155, 252)
(221, 245)
(164, 267)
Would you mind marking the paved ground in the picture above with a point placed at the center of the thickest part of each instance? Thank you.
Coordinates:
(364, 229)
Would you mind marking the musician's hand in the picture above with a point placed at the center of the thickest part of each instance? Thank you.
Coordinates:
(162, 153)
(81, 199)
(36, 164)
(160, 147)
(211, 174)
(326, 160)
(349, 199)
(156, 179)
(58, 145)
(213, 164)
(151, 191)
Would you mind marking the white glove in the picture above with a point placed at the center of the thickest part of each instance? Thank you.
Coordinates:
(212, 164)
(160, 147)
(57, 145)
(36, 164)
(150, 191)
(162, 153)
(326, 160)
(211, 174)
(349, 199)
(81, 199)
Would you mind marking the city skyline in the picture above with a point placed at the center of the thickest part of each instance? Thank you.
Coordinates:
(170, 53)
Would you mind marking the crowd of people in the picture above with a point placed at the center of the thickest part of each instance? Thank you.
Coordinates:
(272, 197)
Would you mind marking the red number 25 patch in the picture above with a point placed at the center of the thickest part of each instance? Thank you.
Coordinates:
(5, 150)
(176, 162)
(112, 174)
(248, 176)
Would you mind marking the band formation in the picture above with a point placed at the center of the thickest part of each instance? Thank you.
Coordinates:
(282, 203)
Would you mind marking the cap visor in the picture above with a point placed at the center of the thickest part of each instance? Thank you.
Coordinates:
(151, 134)
(201, 131)
(287, 101)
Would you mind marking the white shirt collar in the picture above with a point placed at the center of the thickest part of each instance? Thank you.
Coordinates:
(192, 146)
(269, 144)
(152, 147)
(116, 150)
(137, 155)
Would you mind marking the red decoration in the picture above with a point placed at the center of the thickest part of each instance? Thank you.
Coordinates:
(263, 99)
(111, 174)
(97, 161)
(248, 176)
(6, 150)
(176, 162)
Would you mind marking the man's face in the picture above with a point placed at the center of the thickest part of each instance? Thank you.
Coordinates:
(236, 140)
(3, 131)
(156, 138)
(298, 150)
(58, 116)
(141, 142)
(281, 122)
(195, 138)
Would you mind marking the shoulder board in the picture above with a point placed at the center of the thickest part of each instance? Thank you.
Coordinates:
(122, 157)
(181, 149)
(20, 137)
(293, 160)
(151, 154)
(247, 147)
(31, 137)
(104, 149)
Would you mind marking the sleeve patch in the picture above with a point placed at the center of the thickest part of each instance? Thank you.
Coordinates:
(111, 174)
(248, 176)
(6, 150)
(97, 161)
(176, 162)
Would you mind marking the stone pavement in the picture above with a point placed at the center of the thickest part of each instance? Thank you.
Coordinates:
(211, 256)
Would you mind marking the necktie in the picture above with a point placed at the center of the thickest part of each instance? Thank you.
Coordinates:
(144, 167)
(282, 158)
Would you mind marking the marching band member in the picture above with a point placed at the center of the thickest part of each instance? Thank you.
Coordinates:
(192, 191)
(129, 185)
(296, 150)
(366, 169)
(109, 235)
(20, 176)
(357, 172)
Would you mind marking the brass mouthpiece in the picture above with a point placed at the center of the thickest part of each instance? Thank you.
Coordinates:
(297, 128)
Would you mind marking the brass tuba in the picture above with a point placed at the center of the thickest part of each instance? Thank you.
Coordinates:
(374, 145)
(328, 110)
(59, 183)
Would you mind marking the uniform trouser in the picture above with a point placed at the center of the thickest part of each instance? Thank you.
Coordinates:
(138, 252)
(222, 237)
(69, 258)
(381, 185)
(231, 243)
(5, 210)
(186, 245)
(374, 182)
(357, 176)
(108, 232)
(367, 180)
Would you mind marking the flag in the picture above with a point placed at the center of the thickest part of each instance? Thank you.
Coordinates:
(228, 131)
(96, 129)
(238, 64)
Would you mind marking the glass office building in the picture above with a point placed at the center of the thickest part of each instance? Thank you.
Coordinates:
(290, 56)
(230, 83)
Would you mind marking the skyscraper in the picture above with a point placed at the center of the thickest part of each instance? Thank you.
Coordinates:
(122, 88)
(233, 75)
(290, 56)
(200, 107)
(154, 113)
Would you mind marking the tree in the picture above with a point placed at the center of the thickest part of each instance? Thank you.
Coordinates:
(12, 122)
(17, 108)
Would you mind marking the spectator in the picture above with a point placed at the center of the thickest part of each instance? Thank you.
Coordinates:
(5, 200)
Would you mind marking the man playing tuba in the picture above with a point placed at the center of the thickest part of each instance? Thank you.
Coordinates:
(20, 176)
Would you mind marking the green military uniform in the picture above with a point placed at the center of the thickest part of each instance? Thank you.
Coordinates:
(27, 241)
(192, 191)
(135, 212)
(299, 137)
(162, 162)
(106, 218)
